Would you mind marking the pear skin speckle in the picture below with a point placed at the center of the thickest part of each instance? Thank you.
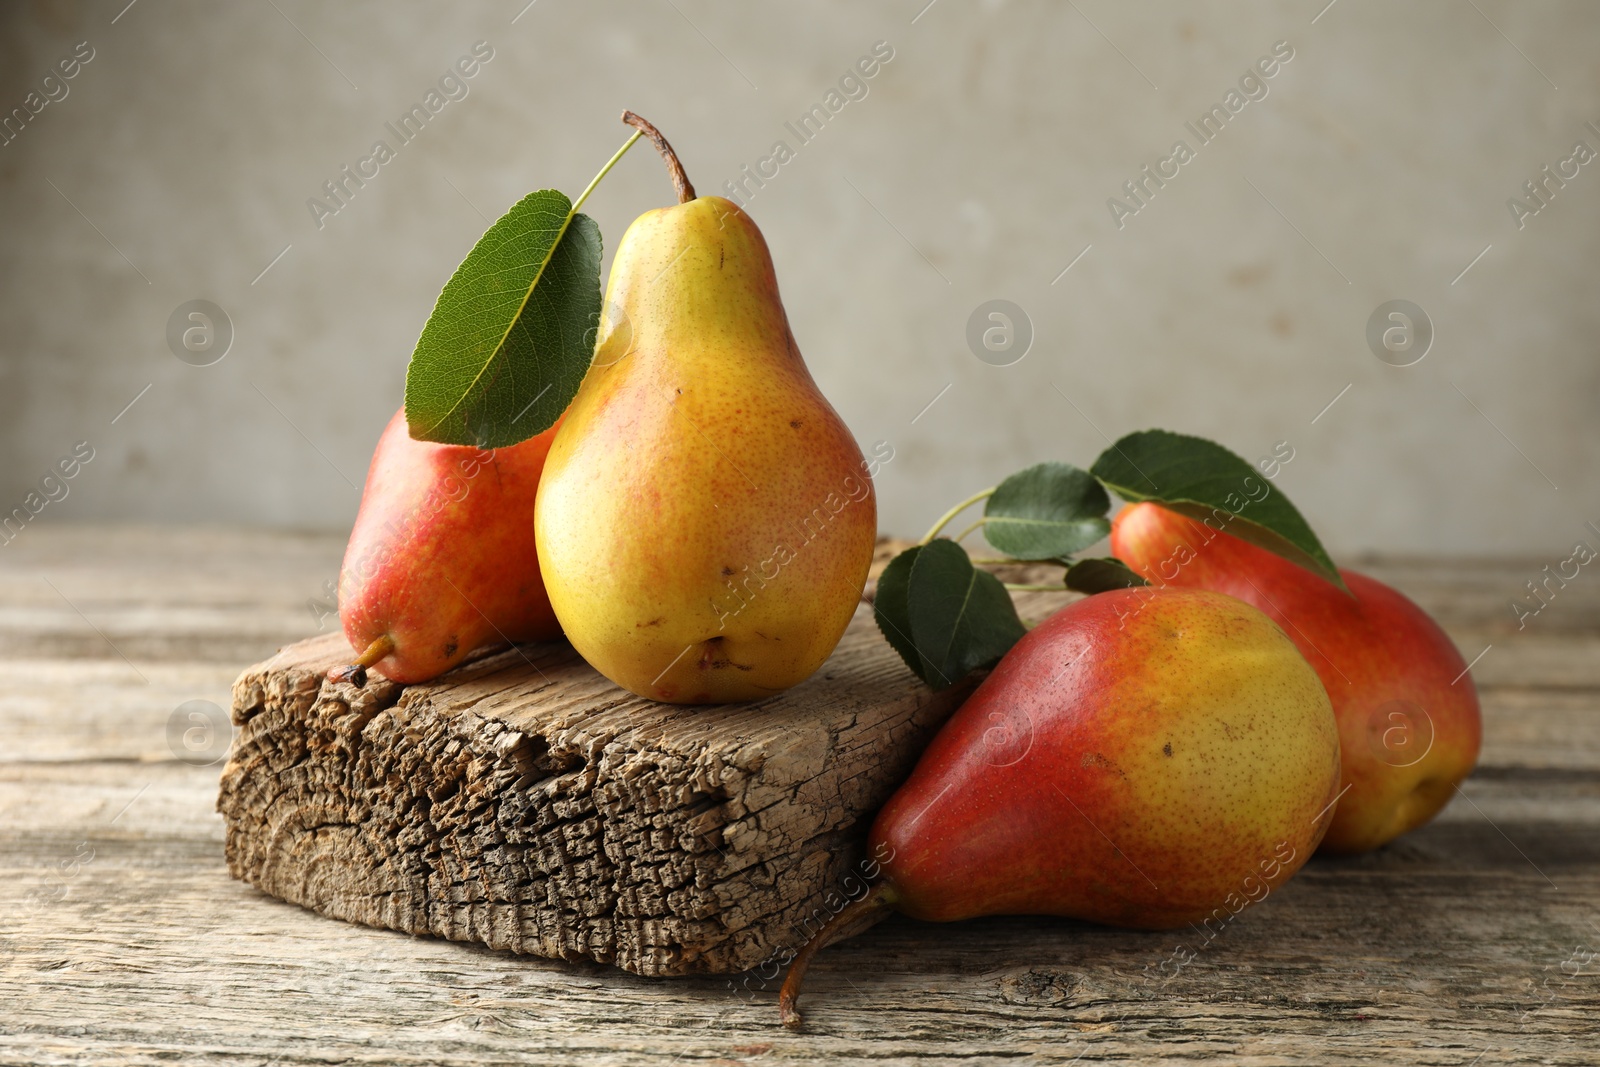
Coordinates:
(1095, 820)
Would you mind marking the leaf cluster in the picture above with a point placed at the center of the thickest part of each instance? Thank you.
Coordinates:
(948, 617)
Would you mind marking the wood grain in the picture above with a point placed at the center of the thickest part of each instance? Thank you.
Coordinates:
(1464, 943)
(525, 802)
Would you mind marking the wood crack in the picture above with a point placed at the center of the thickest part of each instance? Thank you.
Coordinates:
(556, 815)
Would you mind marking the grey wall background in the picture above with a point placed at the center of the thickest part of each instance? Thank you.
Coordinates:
(978, 166)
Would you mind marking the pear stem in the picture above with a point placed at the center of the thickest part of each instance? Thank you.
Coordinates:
(576, 204)
(680, 180)
(944, 520)
(356, 673)
(879, 896)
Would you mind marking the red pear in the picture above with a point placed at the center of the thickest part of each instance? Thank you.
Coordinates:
(441, 559)
(1145, 758)
(1408, 715)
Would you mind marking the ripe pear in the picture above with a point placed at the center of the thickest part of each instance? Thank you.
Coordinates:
(1408, 712)
(705, 519)
(442, 559)
(1144, 758)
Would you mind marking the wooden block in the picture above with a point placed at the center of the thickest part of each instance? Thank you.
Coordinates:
(526, 803)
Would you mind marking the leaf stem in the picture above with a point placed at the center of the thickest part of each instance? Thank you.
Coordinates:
(962, 536)
(944, 520)
(1037, 588)
(576, 204)
(566, 224)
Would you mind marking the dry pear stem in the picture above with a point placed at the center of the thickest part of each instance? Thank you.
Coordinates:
(881, 895)
(680, 180)
(356, 673)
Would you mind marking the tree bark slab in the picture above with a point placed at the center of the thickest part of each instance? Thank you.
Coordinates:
(526, 803)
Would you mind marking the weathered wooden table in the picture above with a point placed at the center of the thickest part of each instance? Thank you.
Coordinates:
(123, 940)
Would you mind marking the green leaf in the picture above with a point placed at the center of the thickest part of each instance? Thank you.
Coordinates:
(1100, 575)
(513, 332)
(1205, 481)
(1047, 511)
(890, 609)
(961, 618)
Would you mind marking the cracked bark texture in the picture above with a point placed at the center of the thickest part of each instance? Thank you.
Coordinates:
(526, 803)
